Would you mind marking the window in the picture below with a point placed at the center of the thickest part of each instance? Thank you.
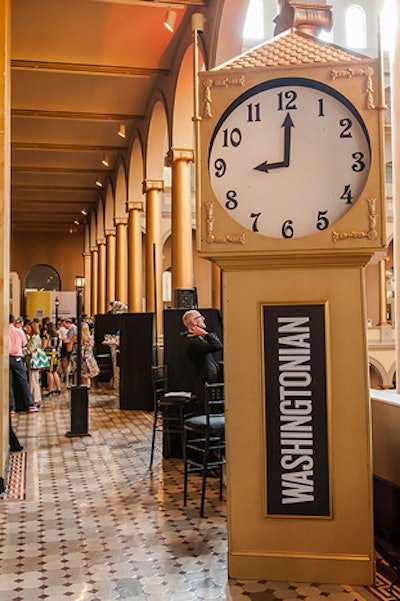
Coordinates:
(43, 277)
(254, 24)
(356, 30)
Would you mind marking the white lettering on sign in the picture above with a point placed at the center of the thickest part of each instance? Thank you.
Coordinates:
(296, 431)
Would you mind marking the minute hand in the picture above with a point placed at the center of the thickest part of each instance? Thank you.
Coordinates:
(265, 166)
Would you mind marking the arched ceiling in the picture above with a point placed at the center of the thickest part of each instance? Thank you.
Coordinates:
(79, 70)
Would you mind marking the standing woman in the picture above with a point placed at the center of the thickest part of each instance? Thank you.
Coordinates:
(51, 344)
(89, 367)
(34, 343)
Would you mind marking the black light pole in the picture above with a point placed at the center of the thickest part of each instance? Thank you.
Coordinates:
(79, 393)
(57, 304)
(79, 289)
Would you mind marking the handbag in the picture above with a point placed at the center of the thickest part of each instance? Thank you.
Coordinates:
(92, 366)
(39, 360)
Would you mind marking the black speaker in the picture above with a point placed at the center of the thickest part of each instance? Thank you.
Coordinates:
(185, 298)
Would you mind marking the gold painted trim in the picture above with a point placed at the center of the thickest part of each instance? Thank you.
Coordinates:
(108, 70)
(226, 238)
(371, 234)
(224, 82)
(366, 72)
(313, 556)
(328, 383)
(44, 114)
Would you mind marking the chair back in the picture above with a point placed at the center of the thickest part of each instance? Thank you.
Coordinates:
(214, 400)
(159, 378)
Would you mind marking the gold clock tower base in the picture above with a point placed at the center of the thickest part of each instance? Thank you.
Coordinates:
(337, 545)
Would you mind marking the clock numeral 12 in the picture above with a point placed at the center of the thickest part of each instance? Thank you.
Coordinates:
(287, 100)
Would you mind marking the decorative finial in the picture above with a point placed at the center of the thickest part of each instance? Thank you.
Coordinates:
(306, 16)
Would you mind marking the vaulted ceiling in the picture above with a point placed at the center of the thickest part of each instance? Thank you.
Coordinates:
(80, 69)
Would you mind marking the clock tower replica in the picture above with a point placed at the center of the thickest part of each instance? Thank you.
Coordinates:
(291, 207)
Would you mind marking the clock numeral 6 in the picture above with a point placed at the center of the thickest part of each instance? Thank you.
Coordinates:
(323, 222)
(287, 229)
(231, 202)
(232, 138)
(220, 167)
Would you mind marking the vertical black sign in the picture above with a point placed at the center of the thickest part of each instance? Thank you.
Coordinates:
(296, 410)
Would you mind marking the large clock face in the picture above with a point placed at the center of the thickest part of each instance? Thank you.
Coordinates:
(289, 157)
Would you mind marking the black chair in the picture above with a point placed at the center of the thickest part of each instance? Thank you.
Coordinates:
(204, 441)
(172, 407)
(104, 362)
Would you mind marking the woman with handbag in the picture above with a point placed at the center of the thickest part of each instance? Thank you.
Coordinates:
(51, 344)
(35, 360)
(89, 366)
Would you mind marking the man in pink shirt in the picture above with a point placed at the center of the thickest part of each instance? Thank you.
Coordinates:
(17, 341)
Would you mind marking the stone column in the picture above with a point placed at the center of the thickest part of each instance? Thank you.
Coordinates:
(94, 279)
(101, 294)
(87, 295)
(110, 266)
(135, 289)
(181, 218)
(121, 282)
(395, 102)
(5, 201)
(152, 189)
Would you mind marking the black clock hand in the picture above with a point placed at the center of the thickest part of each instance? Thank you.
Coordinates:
(265, 166)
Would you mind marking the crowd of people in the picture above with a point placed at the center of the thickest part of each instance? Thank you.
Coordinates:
(43, 356)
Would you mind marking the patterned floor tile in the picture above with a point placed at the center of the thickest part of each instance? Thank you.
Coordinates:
(93, 524)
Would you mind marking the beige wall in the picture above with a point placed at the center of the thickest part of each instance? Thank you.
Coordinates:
(62, 251)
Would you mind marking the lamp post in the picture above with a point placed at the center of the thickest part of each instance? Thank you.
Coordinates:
(79, 393)
(57, 304)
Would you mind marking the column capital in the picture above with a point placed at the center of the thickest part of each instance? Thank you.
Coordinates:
(86, 254)
(93, 249)
(109, 232)
(100, 241)
(153, 184)
(120, 221)
(179, 154)
(134, 205)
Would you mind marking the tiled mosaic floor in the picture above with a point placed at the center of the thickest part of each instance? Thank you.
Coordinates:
(96, 525)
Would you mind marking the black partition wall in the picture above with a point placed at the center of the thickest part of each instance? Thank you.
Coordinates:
(180, 376)
(136, 354)
(135, 359)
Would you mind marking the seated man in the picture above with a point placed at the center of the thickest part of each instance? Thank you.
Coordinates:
(199, 346)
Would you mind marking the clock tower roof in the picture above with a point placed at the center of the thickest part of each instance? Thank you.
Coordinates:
(292, 48)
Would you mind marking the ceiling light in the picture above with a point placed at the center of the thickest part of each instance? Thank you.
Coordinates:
(170, 19)
(76, 222)
(98, 183)
(106, 161)
(84, 212)
(122, 131)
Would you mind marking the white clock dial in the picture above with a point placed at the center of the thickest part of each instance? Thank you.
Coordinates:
(289, 157)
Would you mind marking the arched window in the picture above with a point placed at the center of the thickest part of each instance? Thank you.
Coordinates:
(43, 277)
(254, 24)
(356, 27)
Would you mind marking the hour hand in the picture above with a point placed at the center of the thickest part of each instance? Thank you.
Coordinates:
(265, 166)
